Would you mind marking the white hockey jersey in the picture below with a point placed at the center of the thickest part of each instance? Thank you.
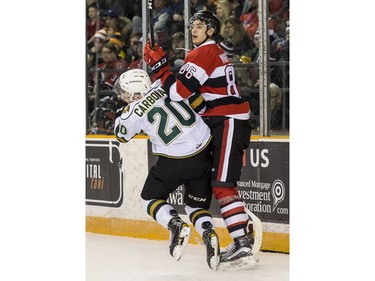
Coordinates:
(175, 130)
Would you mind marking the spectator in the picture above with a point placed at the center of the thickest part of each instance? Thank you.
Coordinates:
(236, 34)
(101, 118)
(242, 74)
(278, 9)
(139, 62)
(276, 12)
(198, 5)
(116, 39)
(94, 53)
(114, 5)
(177, 53)
(276, 109)
(115, 23)
(176, 19)
(223, 12)
(160, 17)
(227, 48)
(255, 49)
(93, 22)
(250, 19)
(137, 24)
(132, 52)
(211, 5)
(236, 7)
(279, 50)
(287, 39)
(133, 11)
(274, 29)
(106, 80)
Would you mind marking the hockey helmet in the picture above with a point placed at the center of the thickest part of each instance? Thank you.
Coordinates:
(211, 20)
(133, 81)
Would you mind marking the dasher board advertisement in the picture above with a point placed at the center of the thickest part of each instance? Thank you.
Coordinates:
(104, 175)
(263, 185)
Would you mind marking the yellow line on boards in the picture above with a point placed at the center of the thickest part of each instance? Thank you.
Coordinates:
(276, 242)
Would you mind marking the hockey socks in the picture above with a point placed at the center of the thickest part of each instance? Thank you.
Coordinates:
(232, 209)
(204, 224)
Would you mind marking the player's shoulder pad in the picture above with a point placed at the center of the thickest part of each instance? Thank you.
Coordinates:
(203, 54)
(155, 85)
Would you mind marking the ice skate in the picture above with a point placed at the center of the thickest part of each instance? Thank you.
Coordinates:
(241, 247)
(211, 241)
(179, 233)
(238, 255)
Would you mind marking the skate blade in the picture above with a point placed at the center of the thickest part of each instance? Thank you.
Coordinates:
(184, 236)
(215, 260)
(243, 263)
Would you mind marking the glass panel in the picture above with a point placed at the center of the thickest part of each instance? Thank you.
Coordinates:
(114, 44)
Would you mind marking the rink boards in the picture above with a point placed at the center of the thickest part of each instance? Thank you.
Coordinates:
(115, 174)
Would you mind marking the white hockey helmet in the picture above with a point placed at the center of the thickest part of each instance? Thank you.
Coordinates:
(134, 81)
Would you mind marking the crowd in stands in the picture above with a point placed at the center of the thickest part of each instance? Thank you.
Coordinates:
(114, 39)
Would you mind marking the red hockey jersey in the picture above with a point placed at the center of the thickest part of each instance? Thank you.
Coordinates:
(208, 71)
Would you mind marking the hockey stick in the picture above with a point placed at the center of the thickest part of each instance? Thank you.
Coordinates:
(257, 224)
(152, 39)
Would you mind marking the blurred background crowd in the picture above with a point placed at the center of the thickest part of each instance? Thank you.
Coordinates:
(114, 44)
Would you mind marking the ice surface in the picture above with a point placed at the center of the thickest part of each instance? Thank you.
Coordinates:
(118, 258)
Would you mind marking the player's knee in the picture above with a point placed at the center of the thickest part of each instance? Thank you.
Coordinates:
(225, 194)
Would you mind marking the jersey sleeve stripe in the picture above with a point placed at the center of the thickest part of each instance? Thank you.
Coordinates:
(217, 82)
(197, 102)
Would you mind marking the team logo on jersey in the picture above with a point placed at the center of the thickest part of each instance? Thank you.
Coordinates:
(126, 109)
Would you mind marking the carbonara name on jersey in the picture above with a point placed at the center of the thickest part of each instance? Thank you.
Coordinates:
(175, 130)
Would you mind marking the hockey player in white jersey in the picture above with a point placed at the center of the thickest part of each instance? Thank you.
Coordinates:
(181, 140)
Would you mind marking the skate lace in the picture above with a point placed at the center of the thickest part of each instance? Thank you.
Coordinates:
(230, 249)
(175, 224)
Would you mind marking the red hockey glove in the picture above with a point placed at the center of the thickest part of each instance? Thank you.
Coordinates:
(156, 59)
(152, 56)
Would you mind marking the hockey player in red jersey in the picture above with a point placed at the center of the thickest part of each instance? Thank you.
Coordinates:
(181, 141)
(208, 71)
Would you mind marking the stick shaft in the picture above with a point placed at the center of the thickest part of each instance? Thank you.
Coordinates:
(152, 39)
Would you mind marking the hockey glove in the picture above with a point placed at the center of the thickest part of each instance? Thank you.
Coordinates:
(156, 59)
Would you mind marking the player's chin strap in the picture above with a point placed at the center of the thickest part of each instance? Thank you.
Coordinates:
(258, 232)
(207, 37)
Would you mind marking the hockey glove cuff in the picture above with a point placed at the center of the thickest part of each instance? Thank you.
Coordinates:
(160, 67)
(156, 59)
